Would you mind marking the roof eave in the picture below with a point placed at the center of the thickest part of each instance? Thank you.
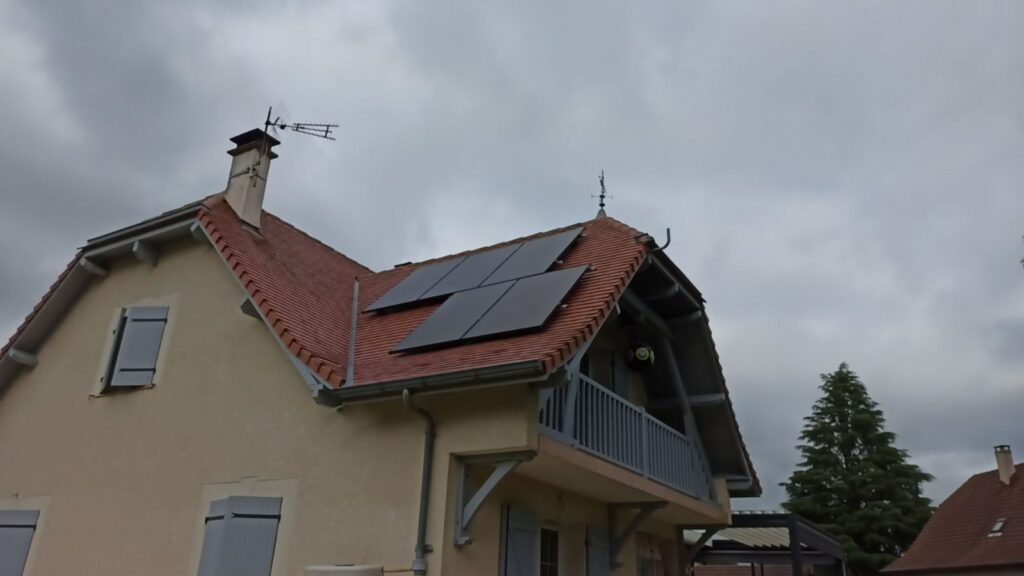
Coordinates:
(500, 374)
(83, 269)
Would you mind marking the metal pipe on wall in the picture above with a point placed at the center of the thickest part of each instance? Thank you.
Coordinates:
(419, 563)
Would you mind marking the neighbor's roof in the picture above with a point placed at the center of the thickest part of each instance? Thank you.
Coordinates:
(305, 290)
(957, 536)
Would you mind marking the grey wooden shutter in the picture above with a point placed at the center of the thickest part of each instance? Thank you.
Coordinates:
(598, 552)
(241, 532)
(522, 535)
(16, 530)
(141, 332)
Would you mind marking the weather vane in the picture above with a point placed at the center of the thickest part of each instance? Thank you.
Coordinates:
(602, 195)
(318, 130)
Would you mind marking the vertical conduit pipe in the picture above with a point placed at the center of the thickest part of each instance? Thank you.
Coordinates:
(419, 564)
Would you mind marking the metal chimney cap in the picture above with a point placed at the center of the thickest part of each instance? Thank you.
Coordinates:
(254, 135)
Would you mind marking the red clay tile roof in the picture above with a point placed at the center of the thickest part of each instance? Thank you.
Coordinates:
(957, 536)
(305, 289)
(302, 286)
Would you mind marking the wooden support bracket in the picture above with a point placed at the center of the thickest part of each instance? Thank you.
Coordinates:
(92, 267)
(145, 252)
(643, 511)
(689, 553)
(466, 504)
(249, 308)
(27, 359)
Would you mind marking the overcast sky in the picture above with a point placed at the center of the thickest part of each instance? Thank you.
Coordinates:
(844, 183)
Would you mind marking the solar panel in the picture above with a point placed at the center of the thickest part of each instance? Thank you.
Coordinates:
(472, 271)
(534, 257)
(453, 318)
(528, 304)
(414, 285)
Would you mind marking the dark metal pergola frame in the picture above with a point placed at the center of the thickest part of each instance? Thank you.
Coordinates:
(808, 544)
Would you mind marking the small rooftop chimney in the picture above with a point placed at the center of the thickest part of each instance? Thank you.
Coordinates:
(247, 181)
(1004, 462)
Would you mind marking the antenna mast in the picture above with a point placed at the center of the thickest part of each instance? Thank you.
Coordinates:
(601, 197)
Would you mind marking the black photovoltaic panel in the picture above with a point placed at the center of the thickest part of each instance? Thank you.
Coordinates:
(414, 285)
(534, 257)
(472, 271)
(453, 318)
(528, 304)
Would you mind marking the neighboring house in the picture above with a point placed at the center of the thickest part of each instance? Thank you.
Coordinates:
(213, 392)
(979, 529)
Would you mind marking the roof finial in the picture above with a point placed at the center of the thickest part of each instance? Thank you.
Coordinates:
(601, 196)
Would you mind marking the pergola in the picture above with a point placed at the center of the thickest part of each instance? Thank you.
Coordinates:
(759, 538)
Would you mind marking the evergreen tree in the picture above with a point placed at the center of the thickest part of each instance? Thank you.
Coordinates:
(853, 481)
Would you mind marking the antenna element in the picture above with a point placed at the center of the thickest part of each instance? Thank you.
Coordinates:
(318, 130)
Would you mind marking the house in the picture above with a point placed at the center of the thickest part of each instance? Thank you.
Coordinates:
(213, 391)
(979, 529)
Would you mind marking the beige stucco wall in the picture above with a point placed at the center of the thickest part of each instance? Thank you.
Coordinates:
(127, 477)
(125, 473)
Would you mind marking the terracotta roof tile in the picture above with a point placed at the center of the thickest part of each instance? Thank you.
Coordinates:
(302, 286)
(957, 536)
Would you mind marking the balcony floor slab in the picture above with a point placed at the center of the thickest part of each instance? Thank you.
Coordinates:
(561, 465)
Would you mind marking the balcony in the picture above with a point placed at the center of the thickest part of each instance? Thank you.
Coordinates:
(591, 418)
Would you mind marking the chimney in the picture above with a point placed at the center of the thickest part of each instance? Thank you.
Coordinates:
(247, 181)
(1004, 462)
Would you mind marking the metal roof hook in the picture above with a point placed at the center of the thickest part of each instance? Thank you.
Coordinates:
(668, 240)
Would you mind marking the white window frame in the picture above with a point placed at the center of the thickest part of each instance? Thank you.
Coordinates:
(561, 548)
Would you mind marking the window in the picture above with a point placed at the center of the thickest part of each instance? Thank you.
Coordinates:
(137, 339)
(240, 535)
(997, 528)
(548, 552)
(16, 530)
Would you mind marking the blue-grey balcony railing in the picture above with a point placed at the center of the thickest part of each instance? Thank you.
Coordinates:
(592, 418)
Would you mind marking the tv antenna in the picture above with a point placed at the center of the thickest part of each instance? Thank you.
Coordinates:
(602, 195)
(308, 128)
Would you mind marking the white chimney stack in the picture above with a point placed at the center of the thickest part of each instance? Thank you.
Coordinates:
(1004, 462)
(247, 181)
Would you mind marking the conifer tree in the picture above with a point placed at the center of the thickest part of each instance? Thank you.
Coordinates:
(852, 480)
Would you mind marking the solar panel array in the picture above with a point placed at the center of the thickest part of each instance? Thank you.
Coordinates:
(481, 269)
(494, 309)
(498, 291)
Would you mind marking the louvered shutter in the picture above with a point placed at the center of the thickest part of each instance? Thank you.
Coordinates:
(522, 536)
(241, 532)
(16, 530)
(138, 345)
(598, 552)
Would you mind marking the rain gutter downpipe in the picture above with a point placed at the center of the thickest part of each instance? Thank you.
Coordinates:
(419, 563)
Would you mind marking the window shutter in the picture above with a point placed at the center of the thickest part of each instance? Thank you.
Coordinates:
(16, 530)
(598, 552)
(522, 534)
(142, 331)
(241, 532)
